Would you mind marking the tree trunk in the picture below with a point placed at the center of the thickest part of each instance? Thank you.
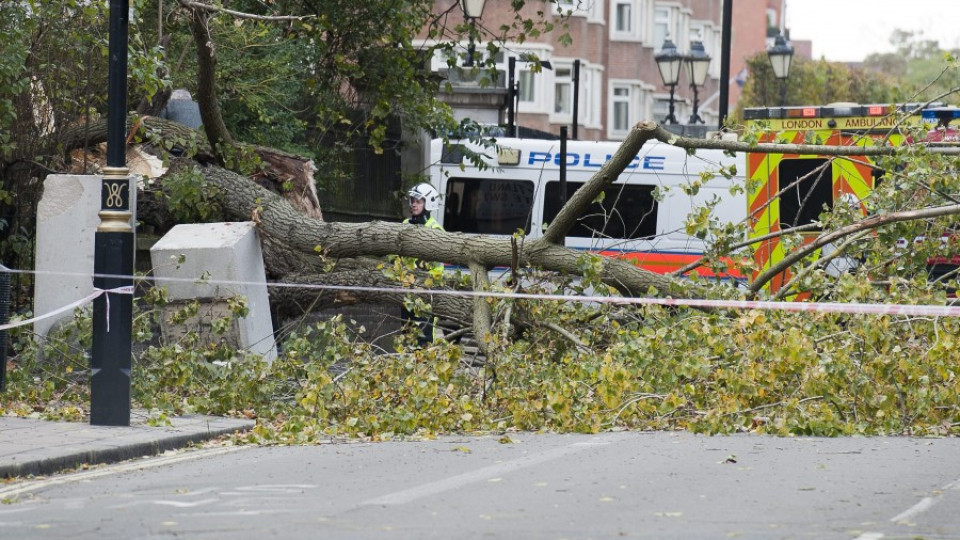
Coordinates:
(207, 96)
(244, 200)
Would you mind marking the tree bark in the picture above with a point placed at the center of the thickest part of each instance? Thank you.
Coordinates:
(207, 96)
(244, 200)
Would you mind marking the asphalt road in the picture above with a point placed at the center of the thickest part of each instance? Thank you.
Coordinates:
(615, 485)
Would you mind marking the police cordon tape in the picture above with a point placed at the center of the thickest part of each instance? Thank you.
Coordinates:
(924, 310)
(73, 305)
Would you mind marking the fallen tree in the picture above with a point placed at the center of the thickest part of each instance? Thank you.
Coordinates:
(293, 240)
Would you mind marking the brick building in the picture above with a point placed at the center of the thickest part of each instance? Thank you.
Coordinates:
(615, 42)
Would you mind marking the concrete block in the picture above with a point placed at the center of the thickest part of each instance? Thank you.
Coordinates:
(66, 223)
(213, 262)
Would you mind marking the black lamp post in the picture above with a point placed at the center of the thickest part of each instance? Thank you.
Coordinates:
(113, 248)
(781, 54)
(668, 62)
(472, 10)
(697, 62)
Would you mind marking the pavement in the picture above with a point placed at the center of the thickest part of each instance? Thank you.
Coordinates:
(30, 446)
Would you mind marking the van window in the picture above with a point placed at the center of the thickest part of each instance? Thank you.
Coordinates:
(488, 206)
(803, 203)
(627, 211)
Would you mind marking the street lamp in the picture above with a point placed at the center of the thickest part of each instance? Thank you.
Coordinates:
(668, 62)
(472, 10)
(698, 61)
(114, 248)
(781, 54)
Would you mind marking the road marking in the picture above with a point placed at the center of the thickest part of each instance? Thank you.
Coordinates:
(922, 506)
(241, 513)
(479, 475)
(925, 504)
(183, 504)
(108, 470)
(270, 489)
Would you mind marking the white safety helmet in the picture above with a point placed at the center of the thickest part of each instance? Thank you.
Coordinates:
(426, 193)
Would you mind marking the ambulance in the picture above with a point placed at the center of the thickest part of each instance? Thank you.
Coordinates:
(515, 185)
(786, 191)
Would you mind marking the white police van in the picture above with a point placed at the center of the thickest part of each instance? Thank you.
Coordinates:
(641, 216)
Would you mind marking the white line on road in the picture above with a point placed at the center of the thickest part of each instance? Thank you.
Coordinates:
(925, 504)
(183, 504)
(33, 485)
(903, 518)
(486, 473)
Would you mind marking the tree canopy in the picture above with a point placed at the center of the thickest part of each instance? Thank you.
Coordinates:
(918, 70)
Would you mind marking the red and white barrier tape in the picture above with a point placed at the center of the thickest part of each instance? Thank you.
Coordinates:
(926, 310)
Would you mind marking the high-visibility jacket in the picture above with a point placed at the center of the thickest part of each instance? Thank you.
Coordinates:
(428, 325)
(431, 223)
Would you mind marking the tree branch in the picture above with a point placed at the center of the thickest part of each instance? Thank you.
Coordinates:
(482, 325)
(207, 96)
(665, 136)
(241, 15)
(871, 222)
(608, 173)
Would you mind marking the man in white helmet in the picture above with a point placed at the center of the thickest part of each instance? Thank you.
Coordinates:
(424, 200)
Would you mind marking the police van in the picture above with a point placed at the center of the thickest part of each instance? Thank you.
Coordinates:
(641, 215)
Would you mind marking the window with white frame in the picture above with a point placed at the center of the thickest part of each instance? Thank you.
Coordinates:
(772, 19)
(696, 33)
(526, 85)
(716, 38)
(563, 91)
(621, 101)
(590, 80)
(628, 19)
(706, 33)
(670, 20)
(587, 91)
(533, 88)
(661, 25)
(661, 107)
(583, 8)
(623, 17)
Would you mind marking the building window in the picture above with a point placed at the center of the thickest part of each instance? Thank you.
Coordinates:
(589, 94)
(661, 25)
(623, 18)
(670, 20)
(563, 91)
(589, 111)
(526, 89)
(709, 36)
(620, 105)
(661, 108)
(627, 19)
(592, 9)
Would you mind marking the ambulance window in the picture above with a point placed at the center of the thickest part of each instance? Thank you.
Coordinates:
(487, 206)
(806, 187)
(627, 211)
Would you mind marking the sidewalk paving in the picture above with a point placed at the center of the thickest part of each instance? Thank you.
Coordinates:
(40, 447)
